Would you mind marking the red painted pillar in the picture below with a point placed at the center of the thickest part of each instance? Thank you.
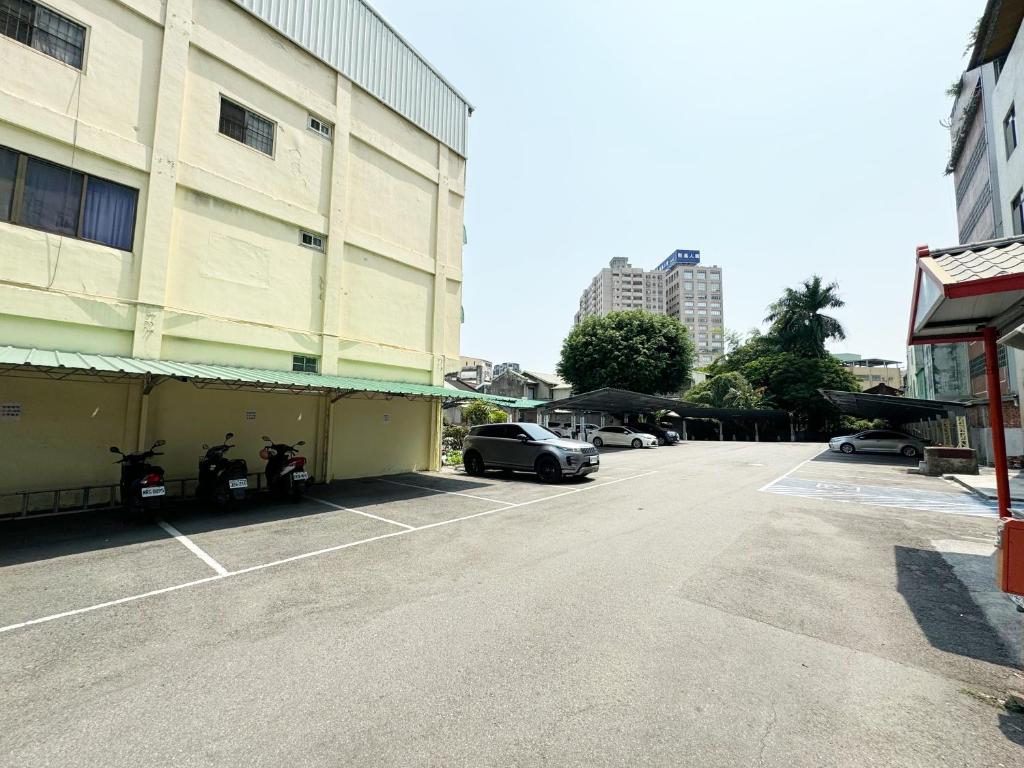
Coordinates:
(995, 417)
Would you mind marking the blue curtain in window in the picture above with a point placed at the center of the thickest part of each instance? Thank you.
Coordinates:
(109, 214)
(52, 198)
(8, 170)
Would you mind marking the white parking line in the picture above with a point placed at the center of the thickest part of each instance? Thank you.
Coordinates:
(450, 493)
(794, 469)
(192, 547)
(228, 574)
(358, 512)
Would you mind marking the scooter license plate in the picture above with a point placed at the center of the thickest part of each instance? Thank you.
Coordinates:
(153, 490)
(233, 484)
(300, 476)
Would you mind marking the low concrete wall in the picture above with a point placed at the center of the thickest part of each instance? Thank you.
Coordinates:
(942, 460)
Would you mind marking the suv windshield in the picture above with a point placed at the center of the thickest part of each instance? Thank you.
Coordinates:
(537, 432)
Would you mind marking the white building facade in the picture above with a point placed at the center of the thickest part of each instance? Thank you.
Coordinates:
(680, 287)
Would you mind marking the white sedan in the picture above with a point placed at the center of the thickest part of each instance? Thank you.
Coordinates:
(623, 436)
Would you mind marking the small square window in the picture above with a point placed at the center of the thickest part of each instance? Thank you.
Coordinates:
(319, 126)
(305, 364)
(310, 240)
(1017, 214)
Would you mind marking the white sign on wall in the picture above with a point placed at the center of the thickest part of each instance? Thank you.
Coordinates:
(250, 415)
(387, 418)
(10, 411)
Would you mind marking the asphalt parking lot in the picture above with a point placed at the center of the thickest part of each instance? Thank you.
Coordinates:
(683, 606)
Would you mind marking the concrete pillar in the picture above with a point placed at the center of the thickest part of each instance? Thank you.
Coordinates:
(154, 252)
(438, 346)
(684, 430)
(337, 224)
(720, 432)
(757, 436)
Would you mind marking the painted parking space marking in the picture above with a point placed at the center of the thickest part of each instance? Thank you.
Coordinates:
(406, 530)
(450, 493)
(883, 496)
(192, 547)
(360, 512)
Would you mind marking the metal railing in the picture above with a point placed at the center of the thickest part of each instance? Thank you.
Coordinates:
(88, 498)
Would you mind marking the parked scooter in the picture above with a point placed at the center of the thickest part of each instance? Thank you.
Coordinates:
(286, 471)
(222, 480)
(142, 483)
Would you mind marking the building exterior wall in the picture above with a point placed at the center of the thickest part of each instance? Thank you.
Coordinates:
(870, 376)
(216, 272)
(692, 293)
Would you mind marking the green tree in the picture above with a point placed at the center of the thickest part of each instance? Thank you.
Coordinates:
(726, 390)
(633, 350)
(797, 321)
(793, 381)
(482, 412)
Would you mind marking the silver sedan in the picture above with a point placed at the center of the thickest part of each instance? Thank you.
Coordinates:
(878, 441)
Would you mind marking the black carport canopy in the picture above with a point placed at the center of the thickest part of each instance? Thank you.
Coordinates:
(893, 408)
(610, 400)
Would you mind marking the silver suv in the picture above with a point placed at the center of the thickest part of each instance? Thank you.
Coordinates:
(528, 447)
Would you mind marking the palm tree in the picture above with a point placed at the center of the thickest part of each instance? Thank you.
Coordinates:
(797, 319)
(726, 390)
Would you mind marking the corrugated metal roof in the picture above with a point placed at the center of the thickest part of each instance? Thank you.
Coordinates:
(13, 357)
(352, 37)
(980, 261)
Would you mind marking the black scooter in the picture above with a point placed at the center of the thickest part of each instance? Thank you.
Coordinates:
(222, 480)
(286, 472)
(142, 483)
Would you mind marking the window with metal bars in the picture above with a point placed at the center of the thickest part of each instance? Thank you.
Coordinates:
(238, 123)
(45, 30)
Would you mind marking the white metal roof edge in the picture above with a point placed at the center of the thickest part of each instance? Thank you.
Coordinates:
(376, 63)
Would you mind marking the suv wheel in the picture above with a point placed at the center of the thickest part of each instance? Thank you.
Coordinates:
(638, 443)
(473, 463)
(846, 448)
(548, 469)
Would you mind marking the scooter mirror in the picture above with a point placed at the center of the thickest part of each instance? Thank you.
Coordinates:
(228, 436)
(265, 438)
(114, 449)
(158, 443)
(205, 446)
(301, 442)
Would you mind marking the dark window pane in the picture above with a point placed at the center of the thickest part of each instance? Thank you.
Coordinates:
(8, 170)
(52, 199)
(259, 133)
(59, 37)
(109, 216)
(232, 120)
(16, 20)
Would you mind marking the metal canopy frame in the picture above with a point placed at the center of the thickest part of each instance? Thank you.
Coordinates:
(890, 407)
(611, 400)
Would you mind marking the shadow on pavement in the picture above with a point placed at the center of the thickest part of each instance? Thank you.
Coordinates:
(32, 540)
(874, 459)
(1012, 726)
(946, 608)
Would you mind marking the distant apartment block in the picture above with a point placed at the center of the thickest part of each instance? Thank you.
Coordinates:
(680, 287)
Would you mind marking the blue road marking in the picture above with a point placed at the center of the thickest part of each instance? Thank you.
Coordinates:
(881, 496)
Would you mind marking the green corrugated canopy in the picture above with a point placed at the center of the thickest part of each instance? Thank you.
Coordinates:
(52, 361)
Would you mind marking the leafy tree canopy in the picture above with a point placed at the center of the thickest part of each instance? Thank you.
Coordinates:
(726, 390)
(634, 350)
(797, 321)
(482, 412)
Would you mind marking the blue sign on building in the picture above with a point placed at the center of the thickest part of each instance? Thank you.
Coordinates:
(680, 257)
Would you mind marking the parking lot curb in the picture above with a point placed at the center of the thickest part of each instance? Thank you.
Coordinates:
(977, 491)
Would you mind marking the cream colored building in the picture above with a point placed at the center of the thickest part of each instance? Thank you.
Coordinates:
(264, 184)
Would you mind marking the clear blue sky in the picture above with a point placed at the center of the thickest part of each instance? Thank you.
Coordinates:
(780, 139)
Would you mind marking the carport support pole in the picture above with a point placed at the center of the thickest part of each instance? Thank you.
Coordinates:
(757, 435)
(995, 417)
(720, 432)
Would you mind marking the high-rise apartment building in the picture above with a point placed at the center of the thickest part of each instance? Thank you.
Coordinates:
(680, 287)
